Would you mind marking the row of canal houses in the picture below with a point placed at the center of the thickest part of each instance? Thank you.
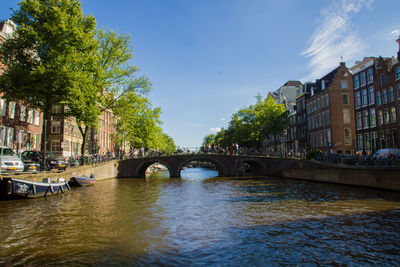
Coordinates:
(21, 127)
(347, 111)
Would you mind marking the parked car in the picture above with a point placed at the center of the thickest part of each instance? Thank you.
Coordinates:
(382, 153)
(55, 162)
(30, 165)
(52, 161)
(10, 162)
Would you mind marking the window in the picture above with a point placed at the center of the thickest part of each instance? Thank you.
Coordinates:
(380, 117)
(365, 119)
(10, 136)
(370, 75)
(30, 116)
(363, 78)
(398, 91)
(392, 114)
(56, 109)
(327, 100)
(391, 94)
(373, 137)
(3, 107)
(384, 96)
(346, 115)
(66, 145)
(345, 99)
(359, 120)
(383, 79)
(358, 100)
(55, 127)
(367, 141)
(23, 113)
(386, 117)
(372, 118)
(55, 146)
(356, 82)
(37, 117)
(397, 73)
(66, 128)
(378, 98)
(371, 95)
(364, 97)
(20, 137)
(344, 84)
(28, 140)
(35, 144)
(360, 145)
(11, 110)
(347, 136)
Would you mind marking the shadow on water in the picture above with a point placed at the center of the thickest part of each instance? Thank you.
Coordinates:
(278, 189)
(214, 221)
(355, 240)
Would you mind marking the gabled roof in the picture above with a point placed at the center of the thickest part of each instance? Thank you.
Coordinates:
(292, 83)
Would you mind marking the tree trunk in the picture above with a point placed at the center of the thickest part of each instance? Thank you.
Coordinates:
(43, 145)
(84, 133)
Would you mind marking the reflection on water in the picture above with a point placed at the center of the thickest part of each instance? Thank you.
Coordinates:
(199, 221)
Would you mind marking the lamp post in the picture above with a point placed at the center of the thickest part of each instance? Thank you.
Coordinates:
(285, 142)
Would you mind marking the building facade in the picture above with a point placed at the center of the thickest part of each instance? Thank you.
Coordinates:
(301, 114)
(65, 139)
(20, 125)
(285, 142)
(330, 113)
(377, 102)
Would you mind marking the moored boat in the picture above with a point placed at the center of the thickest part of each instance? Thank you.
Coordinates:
(82, 180)
(17, 188)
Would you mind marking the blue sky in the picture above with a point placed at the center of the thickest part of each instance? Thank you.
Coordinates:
(209, 58)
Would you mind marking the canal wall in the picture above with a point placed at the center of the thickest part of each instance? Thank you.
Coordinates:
(380, 178)
(101, 171)
(376, 177)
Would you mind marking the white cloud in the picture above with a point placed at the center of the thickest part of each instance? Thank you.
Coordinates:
(215, 130)
(335, 40)
(396, 32)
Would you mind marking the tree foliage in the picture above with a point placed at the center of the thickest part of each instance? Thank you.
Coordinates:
(57, 57)
(51, 58)
(251, 125)
(139, 123)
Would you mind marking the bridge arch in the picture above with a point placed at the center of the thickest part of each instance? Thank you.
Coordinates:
(250, 167)
(141, 169)
(222, 171)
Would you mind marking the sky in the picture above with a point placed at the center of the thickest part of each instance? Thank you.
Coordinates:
(207, 59)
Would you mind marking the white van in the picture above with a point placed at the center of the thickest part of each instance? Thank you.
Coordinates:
(9, 161)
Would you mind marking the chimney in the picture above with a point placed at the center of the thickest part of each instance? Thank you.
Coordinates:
(398, 52)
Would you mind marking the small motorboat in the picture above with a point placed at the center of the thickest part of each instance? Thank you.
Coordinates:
(82, 180)
(17, 188)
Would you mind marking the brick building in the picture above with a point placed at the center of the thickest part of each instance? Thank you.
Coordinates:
(377, 98)
(301, 113)
(330, 113)
(65, 138)
(20, 125)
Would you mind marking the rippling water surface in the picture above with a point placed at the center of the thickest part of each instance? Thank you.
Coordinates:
(198, 221)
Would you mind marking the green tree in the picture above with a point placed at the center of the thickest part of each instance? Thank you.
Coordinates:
(251, 125)
(116, 78)
(51, 58)
(209, 139)
(138, 123)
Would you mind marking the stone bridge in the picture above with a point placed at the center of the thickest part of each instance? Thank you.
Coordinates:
(226, 165)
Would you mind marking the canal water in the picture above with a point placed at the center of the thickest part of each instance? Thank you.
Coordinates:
(198, 221)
